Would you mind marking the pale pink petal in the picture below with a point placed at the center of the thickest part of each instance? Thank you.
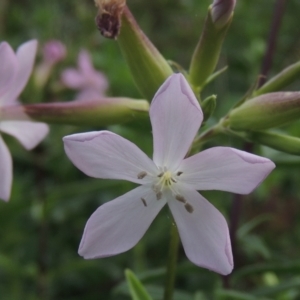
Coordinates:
(25, 55)
(5, 171)
(84, 63)
(93, 79)
(203, 232)
(8, 67)
(225, 169)
(175, 117)
(103, 154)
(73, 79)
(118, 225)
(28, 133)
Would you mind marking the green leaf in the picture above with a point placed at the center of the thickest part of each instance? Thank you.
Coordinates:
(137, 290)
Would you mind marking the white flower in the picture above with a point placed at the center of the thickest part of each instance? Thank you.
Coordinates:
(118, 225)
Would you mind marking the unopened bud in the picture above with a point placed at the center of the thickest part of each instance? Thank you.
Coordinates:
(94, 112)
(54, 51)
(208, 106)
(207, 51)
(148, 67)
(277, 141)
(266, 111)
(109, 15)
(281, 80)
(221, 12)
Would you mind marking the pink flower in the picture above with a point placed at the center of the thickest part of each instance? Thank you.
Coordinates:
(54, 51)
(85, 79)
(15, 70)
(170, 178)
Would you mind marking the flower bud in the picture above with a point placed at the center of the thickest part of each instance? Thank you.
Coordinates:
(281, 80)
(265, 111)
(221, 12)
(54, 51)
(148, 67)
(281, 142)
(207, 51)
(100, 112)
(89, 112)
(208, 106)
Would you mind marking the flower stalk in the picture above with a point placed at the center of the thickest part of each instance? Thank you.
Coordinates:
(171, 263)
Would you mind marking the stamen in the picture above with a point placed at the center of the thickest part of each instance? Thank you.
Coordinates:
(180, 198)
(179, 173)
(174, 180)
(158, 195)
(141, 175)
(144, 201)
(161, 174)
(156, 188)
(189, 208)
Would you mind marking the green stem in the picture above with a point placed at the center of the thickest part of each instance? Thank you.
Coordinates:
(171, 264)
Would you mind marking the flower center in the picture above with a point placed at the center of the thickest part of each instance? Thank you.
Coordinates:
(166, 179)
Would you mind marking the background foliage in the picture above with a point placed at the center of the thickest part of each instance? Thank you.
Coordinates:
(41, 226)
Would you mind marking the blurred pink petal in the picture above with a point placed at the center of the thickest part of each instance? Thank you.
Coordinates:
(73, 79)
(5, 171)
(124, 221)
(85, 77)
(118, 225)
(18, 68)
(8, 68)
(28, 133)
(25, 56)
(54, 51)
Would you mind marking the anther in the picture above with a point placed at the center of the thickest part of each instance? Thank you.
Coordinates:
(179, 173)
(141, 175)
(144, 201)
(189, 208)
(161, 174)
(158, 195)
(156, 188)
(174, 180)
(180, 198)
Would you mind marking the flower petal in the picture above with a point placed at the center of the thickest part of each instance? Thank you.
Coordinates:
(5, 171)
(25, 55)
(203, 232)
(8, 67)
(225, 169)
(103, 154)
(118, 225)
(93, 79)
(73, 79)
(85, 63)
(175, 117)
(28, 133)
